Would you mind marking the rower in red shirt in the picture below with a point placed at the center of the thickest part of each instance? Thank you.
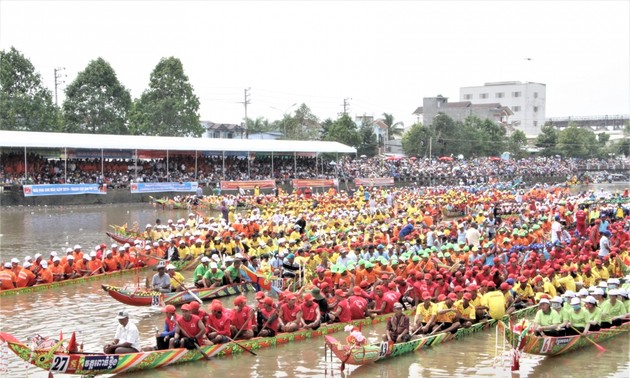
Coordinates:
(311, 316)
(341, 310)
(269, 318)
(358, 304)
(242, 318)
(289, 314)
(189, 329)
(219, 323)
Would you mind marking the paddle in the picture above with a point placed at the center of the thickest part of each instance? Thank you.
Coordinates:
(188, 290)
(232, 340)
(201, 351)
(601, 348)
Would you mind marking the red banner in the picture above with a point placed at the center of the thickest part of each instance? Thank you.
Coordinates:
(234, 185)
(315, 183)
(376, 181)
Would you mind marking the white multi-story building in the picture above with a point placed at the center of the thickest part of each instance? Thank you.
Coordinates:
(526, 100)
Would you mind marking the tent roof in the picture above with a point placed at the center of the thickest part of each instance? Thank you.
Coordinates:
(28, 139)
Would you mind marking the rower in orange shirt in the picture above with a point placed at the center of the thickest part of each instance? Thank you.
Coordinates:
(45, 275)
(81, 265)
(7, 277)
(109, 263)
(70, 270)
(123, 260)
(57, 269)
(95, 266)
(26, 277)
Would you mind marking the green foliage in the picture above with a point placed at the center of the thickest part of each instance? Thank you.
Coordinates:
(415, 141)
(259, 125)
(302, 125)
(547, 140)
(517, 144)
(344, 130)
(25, 104)
(96, 102)
(169, 107)
(444, 130)
(369, 145)
(394, 129)
(326, 125)
(577, 142)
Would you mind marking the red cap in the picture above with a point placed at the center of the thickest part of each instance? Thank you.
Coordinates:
(169, 309)
(458, 289)
(308, 297)
(357, 290)
(324, 285)
(268, 301)
(216, 306)
(428, 277)
(452, 296)
(391, 285)
(505, 286)
(186, 307)
(426, 295)
(240, 299)
(340, 293)
(364, 284)
(467, 296)
(441, 297)
(384, 276)
(522, 279)
(491, 284)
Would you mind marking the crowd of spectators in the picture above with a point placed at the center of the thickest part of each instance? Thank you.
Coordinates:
(118, 173)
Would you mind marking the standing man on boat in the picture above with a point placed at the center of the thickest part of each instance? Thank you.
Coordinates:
(127, 338)
(398, 326)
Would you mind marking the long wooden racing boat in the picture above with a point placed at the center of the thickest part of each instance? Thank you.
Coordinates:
(150, 262)
(366, 354)
(554, 346)
(123, 239)
(55, 360)
(155, 298)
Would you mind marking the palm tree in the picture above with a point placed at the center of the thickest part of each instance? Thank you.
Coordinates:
(393, 128)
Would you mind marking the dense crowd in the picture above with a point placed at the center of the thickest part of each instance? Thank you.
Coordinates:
(118, 173)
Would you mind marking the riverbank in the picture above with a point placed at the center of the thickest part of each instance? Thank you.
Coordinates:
(13, 196)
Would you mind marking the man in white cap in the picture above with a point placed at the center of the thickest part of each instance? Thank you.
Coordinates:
(26, 278)
(547, 322)
(613, 310)
(213, 276)
(78, 254)
(7, 277)
(15, 266)
(127, 338)
(44, 275)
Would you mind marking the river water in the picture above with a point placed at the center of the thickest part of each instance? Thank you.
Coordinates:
(86, 309)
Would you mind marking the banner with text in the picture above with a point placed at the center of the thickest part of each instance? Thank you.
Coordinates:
(251, 184)
(375, 181)
(62, 189)
(156, 187)
(315, 183)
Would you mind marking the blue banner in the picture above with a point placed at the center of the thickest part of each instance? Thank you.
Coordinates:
(63, 189)
(155, 187)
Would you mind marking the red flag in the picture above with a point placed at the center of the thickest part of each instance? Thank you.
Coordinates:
(72, 344)
(60, 335)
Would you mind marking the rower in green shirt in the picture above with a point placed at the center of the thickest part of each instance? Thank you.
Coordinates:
(200, 271)
(593, 314)
(576, 318)
(214, 276)
(547, 321)
(613, 310)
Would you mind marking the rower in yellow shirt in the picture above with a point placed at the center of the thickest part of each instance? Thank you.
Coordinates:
(176, 278)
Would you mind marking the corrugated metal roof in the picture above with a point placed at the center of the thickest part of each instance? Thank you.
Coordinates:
(132, 142)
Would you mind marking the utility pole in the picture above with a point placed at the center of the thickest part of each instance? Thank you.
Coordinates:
(430, 140)
(245, 103)
(58, 82)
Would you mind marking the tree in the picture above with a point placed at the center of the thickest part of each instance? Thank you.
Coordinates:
(393, 128)
(444, 131)
(547, 140)
(517, 143)
(302, 125)
(344, 130)
(96, 102)
(577, 142)
(415, 141)
(369, 145)
(259, 125)
(25, 104)
(169, 107)
(326, 125)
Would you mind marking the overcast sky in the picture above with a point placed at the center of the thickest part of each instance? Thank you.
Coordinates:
(383, 56)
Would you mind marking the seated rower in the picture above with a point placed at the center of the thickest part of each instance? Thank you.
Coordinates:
(213, 276)
(447, 316)
(593, 314)
(189, 330)
(269, 317)
(311, 316)
(613, 310)
(161, 281)
(242, 319)
(127, 338)
(341, 309)
(289, 315)
(426, 313)
(162, 338)
(397, 326)
(547, 322)
(466, 311)
(575, 320)
(176, 278)
(219, 324)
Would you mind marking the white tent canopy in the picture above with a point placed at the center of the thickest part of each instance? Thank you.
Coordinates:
(26, 139)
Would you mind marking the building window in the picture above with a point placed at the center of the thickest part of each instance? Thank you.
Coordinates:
(516, 94)
(535, 123)
(516, 109)
(535, 109)
(483, 95)
(216, 134)
(230, 135)
(535, 94)
(499, 95)
(467, 96)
